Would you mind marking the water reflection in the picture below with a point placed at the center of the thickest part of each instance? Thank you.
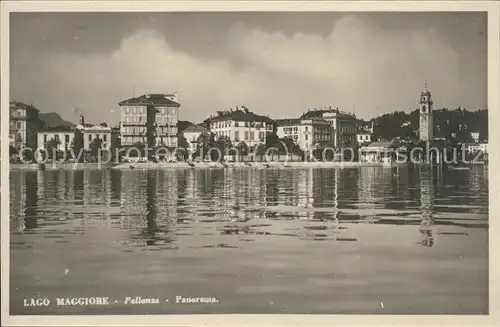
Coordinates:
(165, 209)
(426, 205)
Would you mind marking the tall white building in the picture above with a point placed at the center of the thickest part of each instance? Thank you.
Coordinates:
(151, 119)
(241, 125)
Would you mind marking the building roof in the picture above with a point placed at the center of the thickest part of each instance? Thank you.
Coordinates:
(22, 105)
(156, 99)
(288, 122)
(196, 129)
(319, 113)
(57, 129)
(240, 115)
(91, 127)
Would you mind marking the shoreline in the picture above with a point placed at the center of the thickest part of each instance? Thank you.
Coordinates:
(208, 165)
(61, 166)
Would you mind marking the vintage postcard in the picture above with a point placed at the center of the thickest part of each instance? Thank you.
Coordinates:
(249, 163)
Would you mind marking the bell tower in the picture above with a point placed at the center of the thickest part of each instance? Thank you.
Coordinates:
(426, 126)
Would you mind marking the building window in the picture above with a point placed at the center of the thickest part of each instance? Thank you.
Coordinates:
(246, 135)
(44, 138)
(261, 135)
(90, 138)
(236, 136)
(66, 139)
(105, 137)
(306, 136)
(252, 136)
(19, 125)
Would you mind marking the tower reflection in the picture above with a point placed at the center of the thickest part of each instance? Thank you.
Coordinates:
(426, 205)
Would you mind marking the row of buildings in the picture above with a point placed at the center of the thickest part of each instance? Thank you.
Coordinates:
(29, 128)
(153, 119)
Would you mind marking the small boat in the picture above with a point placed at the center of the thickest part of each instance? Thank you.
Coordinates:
(191, 164)
(225, 165)
(266, 165)
(248, 164)
(131, 166)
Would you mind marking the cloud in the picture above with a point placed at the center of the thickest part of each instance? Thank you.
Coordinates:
(357, 64)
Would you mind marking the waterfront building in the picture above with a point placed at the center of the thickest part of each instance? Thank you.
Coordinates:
(62, 136)
(192, 133)
(426, 127)
(363, 138)
(241, 125)
(344, 126)
(306, 133)
(475, 136)
(91, 132)
(380, 152)
(150, 119)
(23, 125)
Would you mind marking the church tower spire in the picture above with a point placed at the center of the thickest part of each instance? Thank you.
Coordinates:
(426, 116)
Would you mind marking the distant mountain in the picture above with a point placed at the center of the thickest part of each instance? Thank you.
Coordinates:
(52, 119)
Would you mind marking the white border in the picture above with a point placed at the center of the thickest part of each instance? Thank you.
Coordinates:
(493, 9)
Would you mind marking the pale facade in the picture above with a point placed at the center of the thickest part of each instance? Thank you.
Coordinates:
(363, 138)
(64, 137)
(241, 126)
(23, 125)
(150, 118)
(344, 127)
(306, 133)
(475, 136)
(92, 132)
(191, 134)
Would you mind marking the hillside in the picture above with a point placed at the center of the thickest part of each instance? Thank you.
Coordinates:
(460, 122)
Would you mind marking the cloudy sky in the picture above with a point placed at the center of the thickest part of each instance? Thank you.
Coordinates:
(280, 64)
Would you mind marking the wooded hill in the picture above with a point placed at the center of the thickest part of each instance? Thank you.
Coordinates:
(459, 122)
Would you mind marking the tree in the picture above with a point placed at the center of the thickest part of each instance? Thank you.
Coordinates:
(224, 144)
(77, 146)
(94, 148)
(183, 146)
(204, 142)
(260, 150)
(12, 150)
(271, 140)
(243, 149)
(53, 148)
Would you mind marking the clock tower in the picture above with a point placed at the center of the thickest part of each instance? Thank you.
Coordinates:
(426, 126)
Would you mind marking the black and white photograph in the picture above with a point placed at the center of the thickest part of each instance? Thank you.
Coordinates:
(247, 162)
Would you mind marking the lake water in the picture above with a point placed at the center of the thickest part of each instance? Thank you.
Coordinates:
(351, 241)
